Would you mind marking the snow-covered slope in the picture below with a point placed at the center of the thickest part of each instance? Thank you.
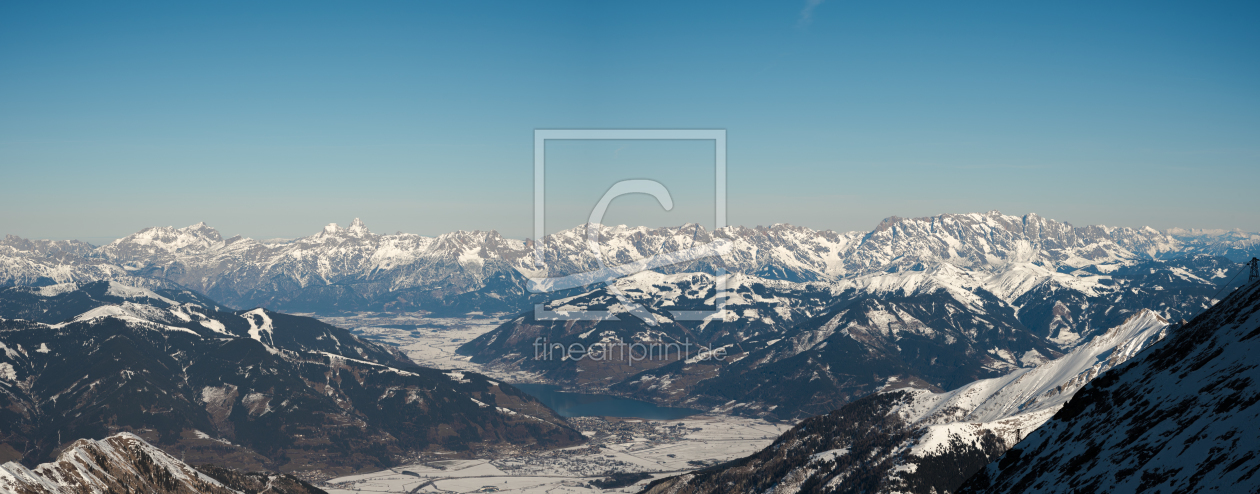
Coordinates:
(1045, 387)
(120, 463)
(907, 439)
(58, 303)
(1181, 418)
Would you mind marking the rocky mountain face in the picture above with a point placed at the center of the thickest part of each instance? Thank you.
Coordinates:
(350, 269)
(120, 463)
(909, 439)
(1180, 418)
(254, 389)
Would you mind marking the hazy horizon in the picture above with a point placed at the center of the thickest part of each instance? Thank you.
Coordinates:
(98, 241)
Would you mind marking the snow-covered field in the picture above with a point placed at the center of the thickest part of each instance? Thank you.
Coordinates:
(621, 446)
(430, 342)
(660, 448)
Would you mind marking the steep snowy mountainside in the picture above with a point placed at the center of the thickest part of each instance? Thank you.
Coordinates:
(120, 463)
(912, 440)
(1001, 411)
(1046, 386)
(1180, 418)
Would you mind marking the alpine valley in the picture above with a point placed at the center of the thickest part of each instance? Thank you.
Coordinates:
(251, 389)
(901, 359)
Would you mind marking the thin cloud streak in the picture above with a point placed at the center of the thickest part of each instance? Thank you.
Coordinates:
(807, 13)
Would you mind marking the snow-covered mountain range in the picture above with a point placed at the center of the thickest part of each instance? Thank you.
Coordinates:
(352, 268)
(986, 293)
(930, 346)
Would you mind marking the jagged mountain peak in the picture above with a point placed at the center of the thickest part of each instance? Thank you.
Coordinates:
(119, 463)
(356, 229)
(472, 234)
(163, 240)
(200, 226)
(475, 243)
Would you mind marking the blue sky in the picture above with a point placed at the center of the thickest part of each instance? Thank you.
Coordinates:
(271, 120)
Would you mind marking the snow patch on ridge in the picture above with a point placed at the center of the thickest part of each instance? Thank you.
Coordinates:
(261, 331)
(124, 291)
(55, 290)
